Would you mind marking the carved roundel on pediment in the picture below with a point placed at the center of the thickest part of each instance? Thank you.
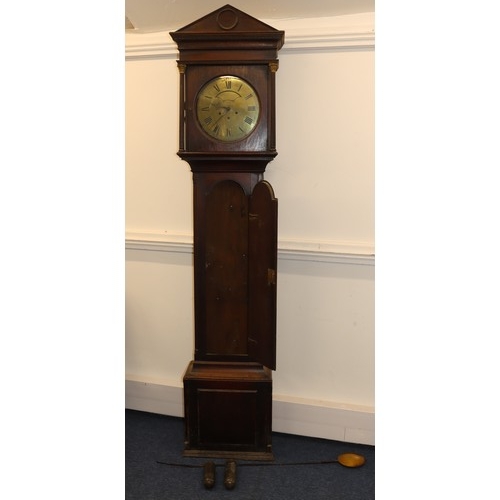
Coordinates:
(227, 19)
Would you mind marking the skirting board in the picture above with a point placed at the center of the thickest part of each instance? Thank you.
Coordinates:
(302, 417)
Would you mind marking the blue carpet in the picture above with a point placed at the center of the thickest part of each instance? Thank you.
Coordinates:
(152, 438)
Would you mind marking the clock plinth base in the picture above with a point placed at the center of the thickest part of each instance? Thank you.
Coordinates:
(235, 455)
(228, 410)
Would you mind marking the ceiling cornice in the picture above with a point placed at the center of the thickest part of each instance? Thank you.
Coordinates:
(336, 33)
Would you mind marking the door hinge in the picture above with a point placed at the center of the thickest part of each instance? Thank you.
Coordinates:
(271, 277)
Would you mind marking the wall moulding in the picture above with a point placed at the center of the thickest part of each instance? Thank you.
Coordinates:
(353, 32)
(339, 252)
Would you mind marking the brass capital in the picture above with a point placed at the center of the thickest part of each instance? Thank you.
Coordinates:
(273, 66)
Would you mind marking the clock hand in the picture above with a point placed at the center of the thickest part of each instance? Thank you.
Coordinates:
(223, 114)
(232, 104)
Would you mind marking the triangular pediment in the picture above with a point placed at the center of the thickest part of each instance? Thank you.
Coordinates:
(227, 19)
(228, 34)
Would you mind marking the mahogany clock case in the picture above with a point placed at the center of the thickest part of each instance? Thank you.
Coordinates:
(228, 384)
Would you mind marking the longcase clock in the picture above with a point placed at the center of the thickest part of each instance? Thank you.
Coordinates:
(227, 66)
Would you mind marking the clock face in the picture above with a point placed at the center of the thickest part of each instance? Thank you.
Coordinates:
(227, 108)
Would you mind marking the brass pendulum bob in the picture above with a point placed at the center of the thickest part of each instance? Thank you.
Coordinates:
(351, 460)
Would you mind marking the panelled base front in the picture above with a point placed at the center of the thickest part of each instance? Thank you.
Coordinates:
(228, 410)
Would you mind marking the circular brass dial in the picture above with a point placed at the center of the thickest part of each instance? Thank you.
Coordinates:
(227, 108)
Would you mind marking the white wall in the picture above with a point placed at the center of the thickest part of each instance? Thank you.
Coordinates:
(323, 178)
